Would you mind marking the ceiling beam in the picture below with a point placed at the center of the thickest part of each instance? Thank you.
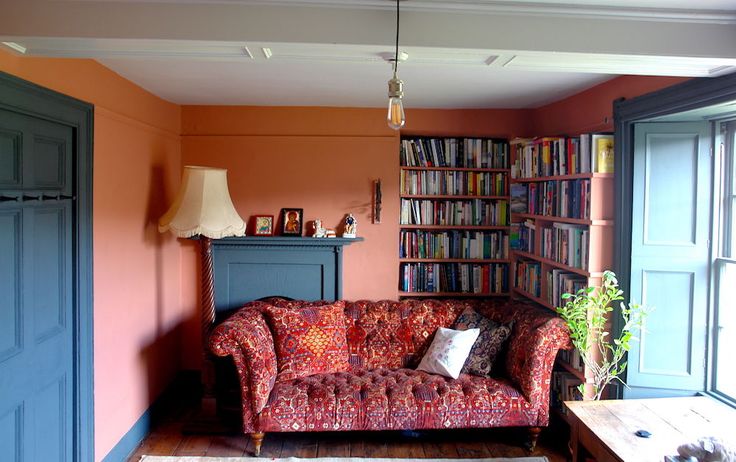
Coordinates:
(299, 23)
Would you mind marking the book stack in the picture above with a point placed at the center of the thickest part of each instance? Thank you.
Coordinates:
(469, 212)
(448, 182)
(573, 358)
(454, 152)
(564, 387)
(555, 156)
(453, 244)
(561, 282)
(453, 277)
(566, 244)
(560, 198)
(528, 275)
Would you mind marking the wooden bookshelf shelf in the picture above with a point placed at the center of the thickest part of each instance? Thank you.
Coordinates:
(534, 298)
(555, 264)
(568, 367)
(454, 260)
(575, 176)
(589, 243)
(551, 218)
(453, 294)
(432, 170)
(451, 197)
(459, 169)
(456, 227)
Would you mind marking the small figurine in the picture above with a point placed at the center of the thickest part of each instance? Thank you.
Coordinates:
(319, 231)
(329, 232)
(351, 226)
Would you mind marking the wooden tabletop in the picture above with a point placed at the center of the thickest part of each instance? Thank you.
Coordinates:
(607, 428)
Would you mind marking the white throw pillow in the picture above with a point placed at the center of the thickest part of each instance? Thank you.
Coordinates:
(448, 352)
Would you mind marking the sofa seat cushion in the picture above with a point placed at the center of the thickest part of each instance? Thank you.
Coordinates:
(385, 399)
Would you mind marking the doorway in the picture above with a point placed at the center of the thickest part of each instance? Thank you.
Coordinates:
(46, 395)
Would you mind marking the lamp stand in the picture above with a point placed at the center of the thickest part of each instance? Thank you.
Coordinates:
(205, 420)
(208, 316)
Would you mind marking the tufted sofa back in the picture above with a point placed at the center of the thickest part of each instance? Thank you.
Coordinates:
(391, 334)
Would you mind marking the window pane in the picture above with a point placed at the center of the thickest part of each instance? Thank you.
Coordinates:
(726, 333)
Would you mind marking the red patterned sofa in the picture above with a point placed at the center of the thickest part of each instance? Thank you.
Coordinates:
(381, 391)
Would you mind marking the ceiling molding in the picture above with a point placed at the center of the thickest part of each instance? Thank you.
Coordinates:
(681, 15)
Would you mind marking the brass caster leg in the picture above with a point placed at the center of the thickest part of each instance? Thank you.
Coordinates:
(257, 439)
(533, 436)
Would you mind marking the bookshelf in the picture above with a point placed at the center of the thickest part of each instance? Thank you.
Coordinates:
(562, 225)
(454, 222)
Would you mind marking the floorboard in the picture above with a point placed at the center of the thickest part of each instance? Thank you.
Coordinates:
(167, 439)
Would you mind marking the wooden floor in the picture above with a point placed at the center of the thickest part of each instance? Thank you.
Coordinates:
(171, 437)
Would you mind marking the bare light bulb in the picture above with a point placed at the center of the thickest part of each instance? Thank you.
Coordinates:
(396, 118)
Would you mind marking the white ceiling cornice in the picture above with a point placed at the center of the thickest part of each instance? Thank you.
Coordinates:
(685, 15)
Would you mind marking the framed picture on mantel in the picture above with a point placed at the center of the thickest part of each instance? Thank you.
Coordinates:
(292, 220)
(262, 225)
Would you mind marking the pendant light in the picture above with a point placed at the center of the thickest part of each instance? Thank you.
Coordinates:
(396, 117)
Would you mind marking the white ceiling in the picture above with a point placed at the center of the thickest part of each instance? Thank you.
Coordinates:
(462, 54)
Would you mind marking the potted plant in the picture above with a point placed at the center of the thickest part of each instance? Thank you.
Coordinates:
(586, 314)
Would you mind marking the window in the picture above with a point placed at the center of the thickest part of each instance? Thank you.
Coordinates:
(725, 272)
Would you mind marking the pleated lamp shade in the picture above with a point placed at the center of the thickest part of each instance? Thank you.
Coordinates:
(203, 206)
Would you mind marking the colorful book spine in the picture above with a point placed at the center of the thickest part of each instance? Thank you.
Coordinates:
(453, 244)
(454, 277)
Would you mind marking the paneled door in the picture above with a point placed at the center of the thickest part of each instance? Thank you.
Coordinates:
(37, 292)
(671, 216)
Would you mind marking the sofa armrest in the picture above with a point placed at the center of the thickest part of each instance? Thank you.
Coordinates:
(246, 337)
(533, 347)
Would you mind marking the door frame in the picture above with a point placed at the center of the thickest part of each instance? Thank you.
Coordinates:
(692, 94)
(27, 98)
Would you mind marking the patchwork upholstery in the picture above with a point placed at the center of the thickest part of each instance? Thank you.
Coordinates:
(381, 391)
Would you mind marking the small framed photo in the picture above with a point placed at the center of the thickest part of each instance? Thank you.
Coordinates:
(262, 225)
(291, 222)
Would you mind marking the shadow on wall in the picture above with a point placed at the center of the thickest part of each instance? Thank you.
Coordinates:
(158, 203)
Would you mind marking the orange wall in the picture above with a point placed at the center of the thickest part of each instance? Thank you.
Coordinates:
(137, 301)
(592, 110)
(323, 160)
(320, 159)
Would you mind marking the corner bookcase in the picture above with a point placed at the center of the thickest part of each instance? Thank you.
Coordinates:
(562, 212)
(454, 224)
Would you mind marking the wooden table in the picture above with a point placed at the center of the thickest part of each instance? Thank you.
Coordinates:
(606, 429)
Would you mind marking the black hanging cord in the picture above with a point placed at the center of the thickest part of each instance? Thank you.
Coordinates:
(396, 54)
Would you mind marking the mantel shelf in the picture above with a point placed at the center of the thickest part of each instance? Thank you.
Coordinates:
(281, 241)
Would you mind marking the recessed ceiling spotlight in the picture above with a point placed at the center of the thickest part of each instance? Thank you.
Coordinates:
(16, 46)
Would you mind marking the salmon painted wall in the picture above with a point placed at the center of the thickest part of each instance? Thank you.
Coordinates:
(323, 160)
(592, 110)
(137, 300)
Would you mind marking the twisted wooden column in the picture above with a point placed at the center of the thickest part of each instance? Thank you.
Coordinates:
(208, 315)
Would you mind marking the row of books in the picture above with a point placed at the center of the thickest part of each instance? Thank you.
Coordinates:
(561, 282)
(548, 156)
(528, 277)
(453, 244)
(564, 387)
(454, 277)
(573, 358)
(466, 212)
(523, 236)
(454, 152)
(566, 244)
(560, 198)
(447, 182)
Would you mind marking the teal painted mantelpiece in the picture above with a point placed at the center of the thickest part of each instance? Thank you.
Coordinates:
(249, 268)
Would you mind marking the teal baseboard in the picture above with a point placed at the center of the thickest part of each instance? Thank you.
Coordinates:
(184, 386)
(128, 443)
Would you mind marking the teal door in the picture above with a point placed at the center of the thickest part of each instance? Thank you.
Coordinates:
(671, 215)
(37, 295)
